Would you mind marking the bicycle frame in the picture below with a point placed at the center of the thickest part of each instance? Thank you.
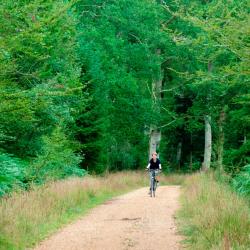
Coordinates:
(153, 182)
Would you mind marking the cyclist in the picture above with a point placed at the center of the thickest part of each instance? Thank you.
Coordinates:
(154, 164)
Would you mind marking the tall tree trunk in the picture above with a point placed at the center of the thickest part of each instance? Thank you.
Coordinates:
(155, 137)
(155, 133)
(208, 143)
(191, 152)
(208, 131)
(245, 137)
(221, 140)
(178, 155)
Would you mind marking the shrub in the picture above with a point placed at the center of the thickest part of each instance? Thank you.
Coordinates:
(242, 181)
(11, 172)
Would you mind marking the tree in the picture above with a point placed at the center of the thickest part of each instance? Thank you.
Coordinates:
(39, 76)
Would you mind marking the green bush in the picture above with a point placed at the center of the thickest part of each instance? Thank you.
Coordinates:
(57, 159)
(242, 181)
(11, 172)
(236, 159)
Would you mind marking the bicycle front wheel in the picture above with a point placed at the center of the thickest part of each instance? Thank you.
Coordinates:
(155, 186)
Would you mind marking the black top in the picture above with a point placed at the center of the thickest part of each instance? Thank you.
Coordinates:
(154, 165)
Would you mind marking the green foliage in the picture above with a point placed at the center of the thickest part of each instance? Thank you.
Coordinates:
(40, 88)
(57, 160)
(242, 181)
(120, 61)
(76, 84)
(11, 174)
(211, 64)
(237, 158)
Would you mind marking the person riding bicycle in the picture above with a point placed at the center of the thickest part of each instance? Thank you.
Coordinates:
(154, 164)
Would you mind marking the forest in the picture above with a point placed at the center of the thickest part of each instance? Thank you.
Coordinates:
(88, 86)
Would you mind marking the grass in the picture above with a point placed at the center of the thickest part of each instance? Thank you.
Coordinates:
(28, 217)
(212, 216)
(172, 179)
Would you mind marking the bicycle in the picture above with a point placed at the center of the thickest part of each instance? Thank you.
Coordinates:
(153, 181)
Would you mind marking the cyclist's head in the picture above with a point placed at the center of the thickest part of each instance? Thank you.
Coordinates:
(154, 155)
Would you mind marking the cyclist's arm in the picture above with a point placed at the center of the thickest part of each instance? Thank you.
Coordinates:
(148, 166)
(160, 166)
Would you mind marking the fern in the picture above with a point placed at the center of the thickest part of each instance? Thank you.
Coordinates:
(242, 181)
(11, 172)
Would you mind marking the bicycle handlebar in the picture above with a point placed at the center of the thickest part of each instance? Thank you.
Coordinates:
(147, 169)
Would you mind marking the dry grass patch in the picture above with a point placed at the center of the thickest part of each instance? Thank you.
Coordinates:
(213, 216)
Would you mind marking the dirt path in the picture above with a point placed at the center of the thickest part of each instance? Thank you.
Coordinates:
(131, 221)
